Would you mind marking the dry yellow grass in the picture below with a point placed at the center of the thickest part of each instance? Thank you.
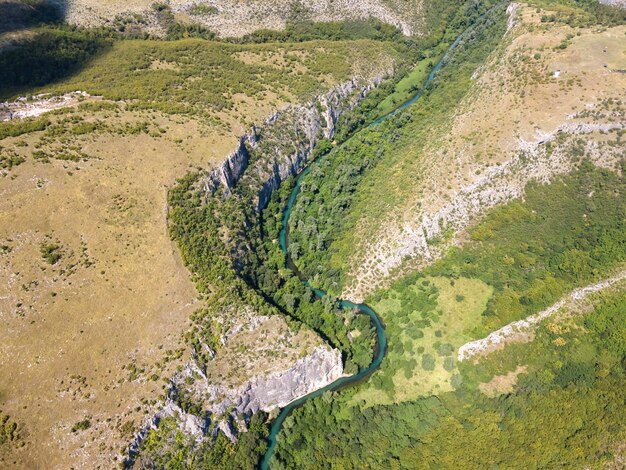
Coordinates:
(71, 330)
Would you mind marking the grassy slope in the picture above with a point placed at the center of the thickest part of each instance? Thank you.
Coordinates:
(93, 180)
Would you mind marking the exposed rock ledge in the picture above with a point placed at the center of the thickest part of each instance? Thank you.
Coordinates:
(520, 330)
(40, 104)
(224, 405)
(309, 373)
(287, 140)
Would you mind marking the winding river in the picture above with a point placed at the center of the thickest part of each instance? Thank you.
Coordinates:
(381, 338)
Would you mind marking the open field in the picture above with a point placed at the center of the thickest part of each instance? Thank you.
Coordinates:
(426, 322)
(76, 330)
(96, 298)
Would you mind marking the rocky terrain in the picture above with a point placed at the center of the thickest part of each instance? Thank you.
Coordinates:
(265, 382)
(38, 105)
(499, 141)
(282, 154)
(522, 330)
(230, 18)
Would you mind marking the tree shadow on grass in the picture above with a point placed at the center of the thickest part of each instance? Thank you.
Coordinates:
(16, 15)
(37, 49)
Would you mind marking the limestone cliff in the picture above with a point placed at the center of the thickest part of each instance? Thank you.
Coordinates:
(280, 367)
(266, 392)
(285, 141)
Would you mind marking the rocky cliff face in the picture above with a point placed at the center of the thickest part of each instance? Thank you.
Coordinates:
(501, 184)
(230, 170)
(309, 373)
(226, 406)
(285, 142)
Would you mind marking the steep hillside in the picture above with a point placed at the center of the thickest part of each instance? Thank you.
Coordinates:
(484, 223)
(548, 84)
(97, 299)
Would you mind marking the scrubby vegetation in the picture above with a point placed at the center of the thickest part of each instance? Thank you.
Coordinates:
(9, 432)
(324, 209)
(574, 377)
(533, 252)
(196, 76)
(157, 451)
(581, 13)
(335, 31)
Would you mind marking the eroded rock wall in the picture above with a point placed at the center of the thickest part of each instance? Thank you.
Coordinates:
(286, 141)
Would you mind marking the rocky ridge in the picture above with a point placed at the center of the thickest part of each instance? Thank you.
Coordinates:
(522, 330)
(230, 18)
(535, 161)
(284, 143)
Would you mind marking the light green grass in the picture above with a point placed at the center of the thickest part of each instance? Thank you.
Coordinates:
(445, 312)
(408, 86)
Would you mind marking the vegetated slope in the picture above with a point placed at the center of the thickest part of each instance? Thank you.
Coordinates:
(97, 299)
(553, 401)
(226, 222)
(486, 136)
(229, 18)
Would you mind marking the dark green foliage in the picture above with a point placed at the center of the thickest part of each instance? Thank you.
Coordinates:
(333, 31)
(20, 14)
(181, 31)
(47, 56)
(428, 362)
(9, 159)
(534, 252)
(82, 425)
(51, 253)
(22, 126)
(9, 432)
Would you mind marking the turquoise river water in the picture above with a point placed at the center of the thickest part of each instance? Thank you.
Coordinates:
(381, 338)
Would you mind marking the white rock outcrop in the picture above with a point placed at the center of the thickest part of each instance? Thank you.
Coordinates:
(522, 327)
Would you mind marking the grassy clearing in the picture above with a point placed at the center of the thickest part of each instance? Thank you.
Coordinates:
(426, 322)
(408, 86)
